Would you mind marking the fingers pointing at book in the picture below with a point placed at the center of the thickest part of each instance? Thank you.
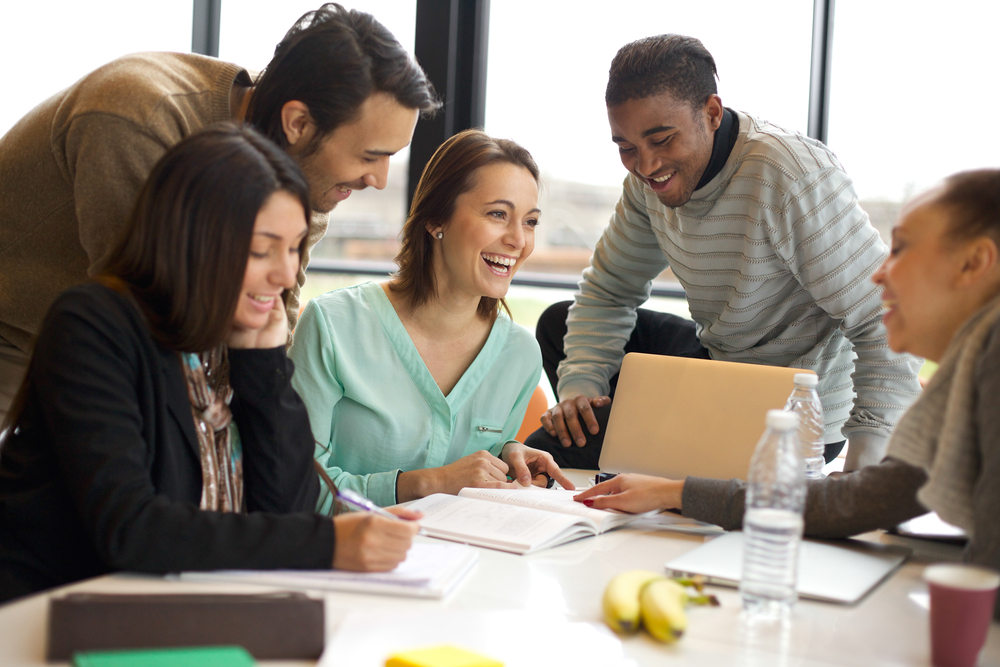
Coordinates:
(527, 466)
(634, 493)
(480, 469)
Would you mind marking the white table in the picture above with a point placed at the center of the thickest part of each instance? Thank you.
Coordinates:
(889, 627)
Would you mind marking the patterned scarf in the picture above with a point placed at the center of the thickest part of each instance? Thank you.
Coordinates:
(207, 377)
(938, 433)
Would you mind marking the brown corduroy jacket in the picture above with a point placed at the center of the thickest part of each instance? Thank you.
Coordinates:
(71, 169)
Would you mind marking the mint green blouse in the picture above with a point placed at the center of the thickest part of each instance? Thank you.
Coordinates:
(374, 407)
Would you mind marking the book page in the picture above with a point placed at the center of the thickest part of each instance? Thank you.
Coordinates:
(496, 525)
(554, 500)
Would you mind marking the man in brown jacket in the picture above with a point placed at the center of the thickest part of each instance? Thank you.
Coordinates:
(340, 95)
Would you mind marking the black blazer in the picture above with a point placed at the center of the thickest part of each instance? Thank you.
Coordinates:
(103, 471)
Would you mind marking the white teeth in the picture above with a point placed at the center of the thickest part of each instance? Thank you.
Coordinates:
(262, 299)
(343, 189)
(663, 179)
(497, 259)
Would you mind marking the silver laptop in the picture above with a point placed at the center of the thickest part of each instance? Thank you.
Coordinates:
(675, 417)
(843, 571)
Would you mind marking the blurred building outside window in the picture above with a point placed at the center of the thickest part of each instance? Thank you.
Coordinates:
(911, 85)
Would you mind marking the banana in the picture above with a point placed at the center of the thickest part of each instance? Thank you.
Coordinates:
(621, 599)
(662, 603)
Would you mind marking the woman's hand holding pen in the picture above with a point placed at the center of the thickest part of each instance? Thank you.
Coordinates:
(367, 542)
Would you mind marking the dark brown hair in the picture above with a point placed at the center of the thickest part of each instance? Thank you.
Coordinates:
(450, 172)
(973, 198)
(183, 254)
(676, 64)
(332, 60)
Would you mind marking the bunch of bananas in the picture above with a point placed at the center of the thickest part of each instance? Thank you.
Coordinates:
(655, 601)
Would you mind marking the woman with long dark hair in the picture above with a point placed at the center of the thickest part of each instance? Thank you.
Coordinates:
(157, 429)
(418, 385)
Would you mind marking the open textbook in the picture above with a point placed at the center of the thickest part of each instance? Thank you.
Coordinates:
(520, 521)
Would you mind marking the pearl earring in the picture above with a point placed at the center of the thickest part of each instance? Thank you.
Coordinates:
(440, 235)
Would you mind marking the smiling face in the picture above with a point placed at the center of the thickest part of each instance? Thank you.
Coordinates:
(666, 143)
(490, 234)
(274, 259)
(356, 155)
(926, 290)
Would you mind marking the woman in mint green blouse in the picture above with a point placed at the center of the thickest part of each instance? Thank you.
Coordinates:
(418, 385)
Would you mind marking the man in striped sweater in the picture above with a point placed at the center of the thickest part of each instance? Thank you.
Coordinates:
(763, 229)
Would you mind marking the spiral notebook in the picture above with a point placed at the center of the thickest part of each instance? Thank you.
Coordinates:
(431, 570)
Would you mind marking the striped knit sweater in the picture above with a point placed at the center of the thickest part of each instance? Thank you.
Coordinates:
(776, 258)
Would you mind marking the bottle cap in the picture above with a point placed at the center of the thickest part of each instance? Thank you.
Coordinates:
(782, 420)
(806, 379)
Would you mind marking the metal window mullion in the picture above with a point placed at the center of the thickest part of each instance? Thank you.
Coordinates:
(451, 41)
(205, 27)
(819, 77)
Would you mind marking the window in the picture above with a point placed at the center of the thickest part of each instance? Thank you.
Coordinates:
(548, 68)
(45, 47)
(912, 96)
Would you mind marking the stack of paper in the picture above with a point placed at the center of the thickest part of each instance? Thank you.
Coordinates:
(431, 570)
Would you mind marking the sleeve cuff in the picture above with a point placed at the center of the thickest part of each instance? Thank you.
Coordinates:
(715, 501)
(864, 448)
(580, 387)
(497, 449)
(381, 488)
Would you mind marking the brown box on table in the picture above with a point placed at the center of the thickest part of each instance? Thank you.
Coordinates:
(275, 626)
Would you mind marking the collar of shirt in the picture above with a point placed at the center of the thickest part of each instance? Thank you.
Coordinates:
(722, 146)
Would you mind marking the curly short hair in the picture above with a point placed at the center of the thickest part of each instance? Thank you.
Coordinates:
(973, 199)
(650, 66)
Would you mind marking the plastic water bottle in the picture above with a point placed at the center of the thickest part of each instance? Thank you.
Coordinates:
(772, 524)
(805, 402)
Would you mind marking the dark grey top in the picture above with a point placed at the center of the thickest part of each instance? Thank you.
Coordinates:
(883, 495)
(878, 496)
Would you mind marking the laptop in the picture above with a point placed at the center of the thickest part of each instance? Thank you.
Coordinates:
(674, 416)
(841, 571)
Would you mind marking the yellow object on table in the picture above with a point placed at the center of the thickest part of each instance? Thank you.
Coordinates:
(441, 656)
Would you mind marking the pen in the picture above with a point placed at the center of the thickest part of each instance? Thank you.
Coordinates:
(357, 501)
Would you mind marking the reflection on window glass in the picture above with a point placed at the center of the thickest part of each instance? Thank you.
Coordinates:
(365, 226)
(47, 46)
(913, 90)
(546, 81)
